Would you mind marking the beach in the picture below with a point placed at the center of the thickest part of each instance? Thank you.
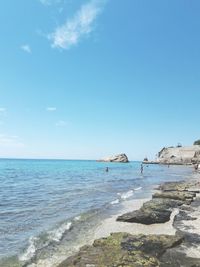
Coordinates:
(174, 242)
(76, 216)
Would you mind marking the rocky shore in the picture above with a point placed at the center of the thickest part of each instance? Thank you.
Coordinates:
(181, 249)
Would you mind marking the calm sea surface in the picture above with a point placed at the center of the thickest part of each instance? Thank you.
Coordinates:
(45, 204)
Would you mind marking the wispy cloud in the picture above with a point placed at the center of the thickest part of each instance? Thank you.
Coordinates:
(51, 109)
(76, 28)
(10, 141)
(61, 123)
(26, 48)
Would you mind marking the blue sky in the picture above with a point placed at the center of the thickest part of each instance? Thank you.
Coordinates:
(89, 78)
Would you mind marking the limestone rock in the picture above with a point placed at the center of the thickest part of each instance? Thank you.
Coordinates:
(122, 249)
(146, 216)
(157, 210)
(177, 195)
(179, 155)
(117, 158)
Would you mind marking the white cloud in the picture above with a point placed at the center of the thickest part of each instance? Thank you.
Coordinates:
(26, 48)
(51, 109)
(10, 141)
(61, 123)
(79, 26)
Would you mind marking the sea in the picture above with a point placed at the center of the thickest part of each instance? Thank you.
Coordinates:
(49, 208)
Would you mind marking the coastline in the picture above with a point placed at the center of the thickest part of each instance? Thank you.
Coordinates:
(184, 224)
(64, 240)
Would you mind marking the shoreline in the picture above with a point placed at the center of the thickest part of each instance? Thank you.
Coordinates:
(187, 225)
(103, 223)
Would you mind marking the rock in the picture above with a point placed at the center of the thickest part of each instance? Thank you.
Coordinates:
(146, 216)
(179, 155)
(175, 258)
(122, 249)
(162, 204)
(117, 158)
(153, 211)
(183, 196)
(174, 186)
(183, 216)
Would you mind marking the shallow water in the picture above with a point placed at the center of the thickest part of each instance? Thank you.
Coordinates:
(48, 205)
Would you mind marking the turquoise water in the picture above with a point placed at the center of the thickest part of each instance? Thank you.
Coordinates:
(45, 203)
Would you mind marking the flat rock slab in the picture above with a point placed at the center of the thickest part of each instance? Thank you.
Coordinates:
(194, 189)
(183, 196)
(174, 186)
(157, 210)
(146, 216)
(162, 204)
(122, 249)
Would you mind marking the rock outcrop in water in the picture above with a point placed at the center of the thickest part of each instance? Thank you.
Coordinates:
(117, 158)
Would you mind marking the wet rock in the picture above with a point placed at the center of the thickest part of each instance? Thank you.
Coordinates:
(122, 249)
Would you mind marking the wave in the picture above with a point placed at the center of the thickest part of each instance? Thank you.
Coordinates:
(30, 251)
(126, 195)
(44, 240)
(57, 234)
(138, 188)
(77, 218)
(114, 202)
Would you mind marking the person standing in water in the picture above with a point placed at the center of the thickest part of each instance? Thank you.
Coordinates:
(141, 168)
(106, 169)
(196, 166)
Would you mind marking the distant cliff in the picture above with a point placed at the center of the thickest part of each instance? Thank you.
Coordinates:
(179, 155)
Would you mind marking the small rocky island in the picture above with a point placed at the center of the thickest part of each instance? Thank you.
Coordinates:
(117, 158)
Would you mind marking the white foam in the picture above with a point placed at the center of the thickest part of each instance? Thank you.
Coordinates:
(126, 195)
(30, 251)
(57, 234)
(77, 218)
(114, 202)
(138, 188)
